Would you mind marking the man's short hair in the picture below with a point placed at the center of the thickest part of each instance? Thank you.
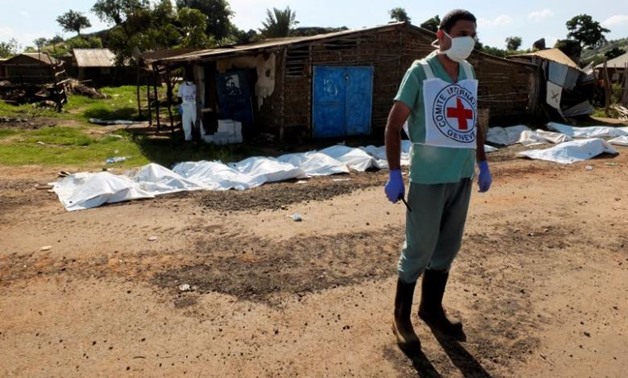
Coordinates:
(450, 19)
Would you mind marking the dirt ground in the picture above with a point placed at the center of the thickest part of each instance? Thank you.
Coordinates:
(213, 284)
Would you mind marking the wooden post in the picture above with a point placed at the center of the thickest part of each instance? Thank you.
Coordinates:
(137, 89)
(624, 97)
(155, 80)
(150, 113)
(169, 97)
(607, 89)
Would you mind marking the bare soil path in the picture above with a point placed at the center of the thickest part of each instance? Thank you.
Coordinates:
(540, 282)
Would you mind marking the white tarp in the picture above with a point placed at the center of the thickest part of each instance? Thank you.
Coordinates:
(315, 163)
(619, 141)
(588, 132)
(87, 190)
(154, 178)
(571, 152)
(507, 136)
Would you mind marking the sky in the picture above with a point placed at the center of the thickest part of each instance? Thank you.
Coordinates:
(28, 20)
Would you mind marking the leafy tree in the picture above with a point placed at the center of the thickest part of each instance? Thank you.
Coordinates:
(492, 50)
(40, 43)
(56, 39)
(278, 23)
(163, 19)
(399, 14)
(193, 28)
(139, 25)
(8, 49)
(431, 24)
(218, 16)
(614, 53)
(164, 12)
(587, 32)
(539, 44)
(73, 21)
(240, 36)
(84, 43)
(117, 11)
(570, 47)
(513, 43)
(54, 42)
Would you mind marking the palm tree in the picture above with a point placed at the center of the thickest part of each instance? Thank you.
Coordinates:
(278, 23)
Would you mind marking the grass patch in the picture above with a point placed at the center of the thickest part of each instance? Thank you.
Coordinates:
(5, 133)
(121, 103)
(83, 146)
(61, 136)
(74, 146)
(27, 111)
(69, 146)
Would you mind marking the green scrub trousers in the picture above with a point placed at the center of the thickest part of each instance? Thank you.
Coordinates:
(434, 227)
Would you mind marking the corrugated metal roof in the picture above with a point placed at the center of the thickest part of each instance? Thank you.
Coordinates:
(162, 54)
(555, 55)
(618, 62)
(270, 44)
(42, 57)
(94, 57)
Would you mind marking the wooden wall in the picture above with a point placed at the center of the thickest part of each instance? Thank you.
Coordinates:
(505, 86)
(26, 70)
(389, 53)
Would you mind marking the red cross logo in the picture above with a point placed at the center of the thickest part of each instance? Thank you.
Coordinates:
(461, 113)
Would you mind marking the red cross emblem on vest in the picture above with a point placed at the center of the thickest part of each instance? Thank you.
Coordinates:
(461, 113)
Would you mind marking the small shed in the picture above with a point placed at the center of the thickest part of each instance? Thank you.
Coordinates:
(32, 69)
(617, 68)
(34, 77)
(3, 71)
(93, 64)
(563, 85)
(98, 68)
(331, 85)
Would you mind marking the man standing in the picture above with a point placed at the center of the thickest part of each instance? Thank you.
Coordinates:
(438, 99)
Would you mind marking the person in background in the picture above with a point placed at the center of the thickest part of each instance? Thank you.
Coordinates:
(189, 115)
(438, 100)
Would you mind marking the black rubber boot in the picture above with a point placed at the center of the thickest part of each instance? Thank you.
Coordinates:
(431, 307)
(402, 325)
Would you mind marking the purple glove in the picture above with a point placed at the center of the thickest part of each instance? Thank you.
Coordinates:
(484, 179)
(394, 187)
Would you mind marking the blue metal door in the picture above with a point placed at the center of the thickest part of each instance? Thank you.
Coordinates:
(359, 100)
(341, 101)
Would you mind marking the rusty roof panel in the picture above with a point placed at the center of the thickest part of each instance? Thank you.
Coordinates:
(555, 55)
(94, 57)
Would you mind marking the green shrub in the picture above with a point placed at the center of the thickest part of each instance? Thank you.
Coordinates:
(616, 93)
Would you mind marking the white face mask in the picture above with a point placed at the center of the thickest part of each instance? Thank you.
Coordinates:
(460, 49)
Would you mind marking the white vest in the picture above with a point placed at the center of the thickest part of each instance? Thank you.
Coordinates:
(450, 109)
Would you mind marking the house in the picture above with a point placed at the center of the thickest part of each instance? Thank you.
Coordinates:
(330, 85)
(3, 71)
(617, 68)
(98, 68)
(32, 69)
(561, 83)
(34, 77)
(94, 65)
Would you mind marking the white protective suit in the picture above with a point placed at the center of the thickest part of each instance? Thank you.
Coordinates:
(187, 93)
